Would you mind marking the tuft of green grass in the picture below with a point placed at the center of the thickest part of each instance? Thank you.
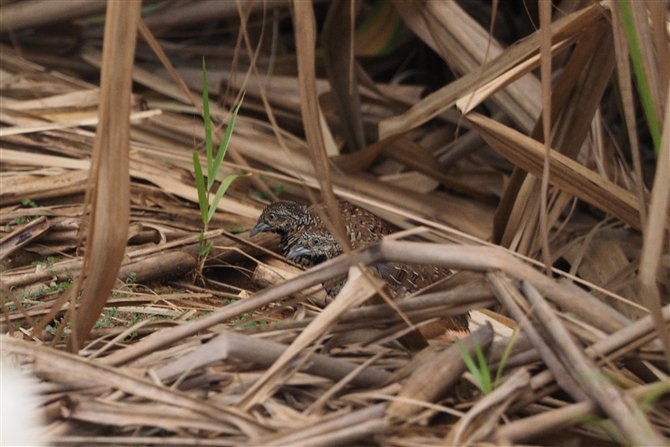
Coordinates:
(481, 370)
(108, 318)
(132, 278)
(28, 202)
(53, 329)
(214, 160)
(51, 260)
(21, 220)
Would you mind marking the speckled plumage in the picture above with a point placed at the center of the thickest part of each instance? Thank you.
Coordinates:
(289, 219)
(319, 245)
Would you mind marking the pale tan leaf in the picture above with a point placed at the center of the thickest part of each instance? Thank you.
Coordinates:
(564, 172)
(446, 97)
(109, 174)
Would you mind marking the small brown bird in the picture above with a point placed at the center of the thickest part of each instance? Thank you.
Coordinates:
(318, 245)
(289, 219)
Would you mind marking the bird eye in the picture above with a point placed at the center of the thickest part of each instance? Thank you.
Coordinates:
(316, 241)
(272, 216)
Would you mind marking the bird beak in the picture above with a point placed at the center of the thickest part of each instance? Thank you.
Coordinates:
(259, 228)
(297, 252)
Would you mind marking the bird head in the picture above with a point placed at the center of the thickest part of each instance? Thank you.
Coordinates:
(316, 244)
(281, 217)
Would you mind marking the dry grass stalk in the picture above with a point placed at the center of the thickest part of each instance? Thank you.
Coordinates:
(656, 231)
(564, 173)
(29, 14)
(623, 411)
(560, 418)
(462, 42)
(339, 60)
(482, 419)
(407, 175)
(95, 373)
(23, 236)
(264, 353)
(447, 97)
(109, 180)
(354, 293)
(435, 377)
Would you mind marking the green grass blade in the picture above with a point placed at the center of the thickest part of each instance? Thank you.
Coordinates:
(204, 249)
(200, 185)
(223, 187)
(484, 370)
(470, 363)
(226, 139)
(506, 353)
(640, 74)
(208, 126)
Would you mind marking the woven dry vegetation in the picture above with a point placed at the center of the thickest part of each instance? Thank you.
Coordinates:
(429, 114)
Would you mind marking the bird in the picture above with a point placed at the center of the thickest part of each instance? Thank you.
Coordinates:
(318, 245)
(289, 219)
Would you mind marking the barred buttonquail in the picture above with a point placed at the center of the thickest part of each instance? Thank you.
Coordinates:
(318, 245)
(289, 219)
